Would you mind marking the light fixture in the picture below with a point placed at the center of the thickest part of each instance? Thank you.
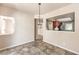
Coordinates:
(39, 11)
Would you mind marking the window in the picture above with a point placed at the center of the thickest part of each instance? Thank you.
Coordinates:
(6, 25)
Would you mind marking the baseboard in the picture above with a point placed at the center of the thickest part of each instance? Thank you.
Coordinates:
(13, 46)
(63, 48)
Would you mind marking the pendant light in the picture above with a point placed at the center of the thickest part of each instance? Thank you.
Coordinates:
(39, 4)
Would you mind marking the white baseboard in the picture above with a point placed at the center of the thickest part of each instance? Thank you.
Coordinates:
(13, 46)
(63, 48)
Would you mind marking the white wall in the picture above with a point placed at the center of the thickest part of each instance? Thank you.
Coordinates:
(24, 29)
(66, 40)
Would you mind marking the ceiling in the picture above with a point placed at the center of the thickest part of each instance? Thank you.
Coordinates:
(33, 7)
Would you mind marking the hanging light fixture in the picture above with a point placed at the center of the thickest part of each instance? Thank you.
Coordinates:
(39, 11)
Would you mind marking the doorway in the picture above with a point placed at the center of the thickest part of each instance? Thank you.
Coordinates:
(38, 29)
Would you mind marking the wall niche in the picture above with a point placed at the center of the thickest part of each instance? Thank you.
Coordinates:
(65, 22)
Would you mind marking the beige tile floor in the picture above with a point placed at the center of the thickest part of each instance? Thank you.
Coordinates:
(35, 48)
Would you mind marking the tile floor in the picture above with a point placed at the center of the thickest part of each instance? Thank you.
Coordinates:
(35, 48)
